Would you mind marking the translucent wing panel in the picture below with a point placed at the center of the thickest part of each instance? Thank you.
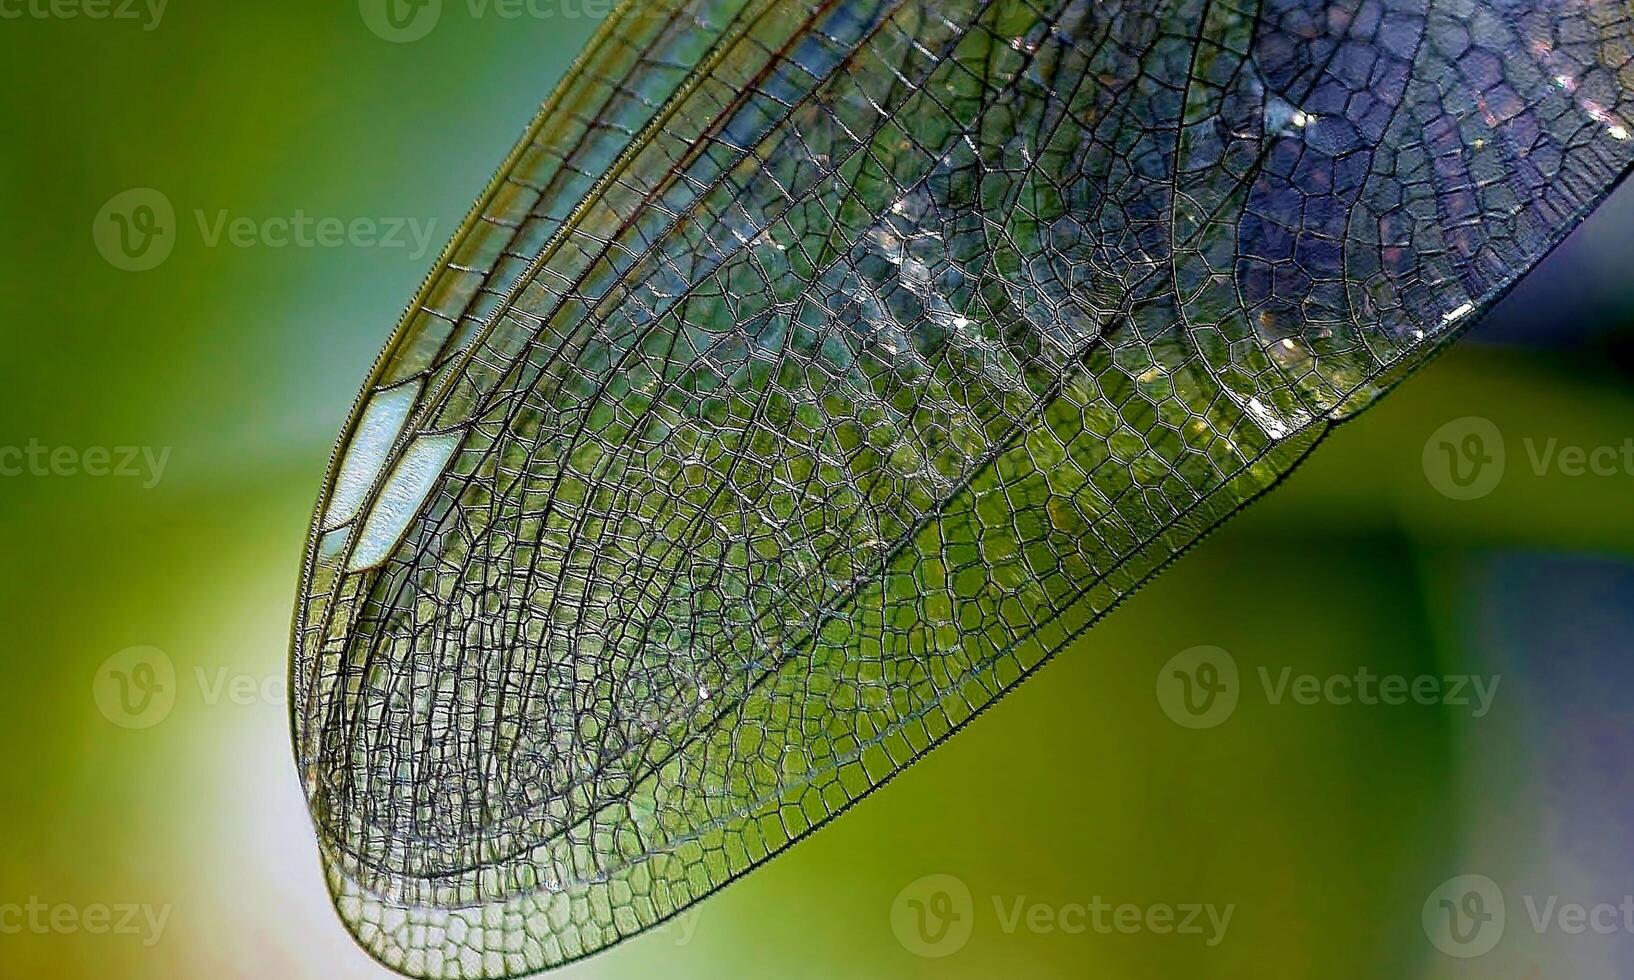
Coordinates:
(641, 55)
(901, 343)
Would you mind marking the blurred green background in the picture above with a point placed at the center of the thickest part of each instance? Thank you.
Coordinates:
(157, 829)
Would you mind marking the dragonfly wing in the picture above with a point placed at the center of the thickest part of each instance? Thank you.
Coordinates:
(869, 354)
(642, 53)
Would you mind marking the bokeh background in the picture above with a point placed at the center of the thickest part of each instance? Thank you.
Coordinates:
(144, 764)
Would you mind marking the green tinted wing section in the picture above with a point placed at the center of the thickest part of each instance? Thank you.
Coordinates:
(640, 56)
(873, 351)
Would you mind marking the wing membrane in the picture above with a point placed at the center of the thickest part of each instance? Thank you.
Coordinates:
(839, 377)
(639, 56)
